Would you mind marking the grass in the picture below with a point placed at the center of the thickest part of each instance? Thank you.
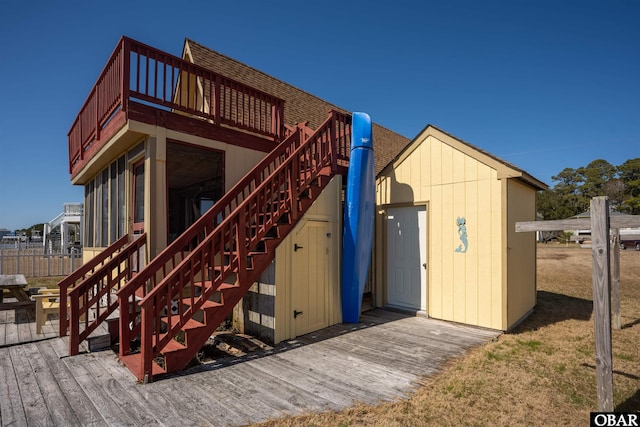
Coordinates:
(542, 373)
(50, 282)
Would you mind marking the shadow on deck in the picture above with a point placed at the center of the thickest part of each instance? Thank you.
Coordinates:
(380, 359)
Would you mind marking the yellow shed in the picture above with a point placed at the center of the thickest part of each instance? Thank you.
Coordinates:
(445, 234)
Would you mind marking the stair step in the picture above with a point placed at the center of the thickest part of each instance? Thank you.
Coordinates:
(189, 324)
(209, 283)
(206, 304)
(100, 339)
(171, 346)
(134, 363)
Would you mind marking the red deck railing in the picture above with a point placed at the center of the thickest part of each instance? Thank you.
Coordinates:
(81, 274)
(94, 299)
(277, 180)
(139, 72)
(88, 294)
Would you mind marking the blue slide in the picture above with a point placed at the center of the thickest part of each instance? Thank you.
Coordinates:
(358, 218)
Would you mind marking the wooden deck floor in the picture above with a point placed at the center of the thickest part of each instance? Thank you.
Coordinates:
(382, 358)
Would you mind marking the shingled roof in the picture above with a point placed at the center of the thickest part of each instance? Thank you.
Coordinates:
(300, 106)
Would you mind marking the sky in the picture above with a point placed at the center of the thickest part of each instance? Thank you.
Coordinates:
(542, 84)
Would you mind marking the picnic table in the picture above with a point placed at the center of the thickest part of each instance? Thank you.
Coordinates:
(15, 284)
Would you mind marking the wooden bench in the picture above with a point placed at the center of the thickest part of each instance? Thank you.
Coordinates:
(47, 302)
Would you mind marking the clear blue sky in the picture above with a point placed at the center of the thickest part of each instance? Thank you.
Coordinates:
(543, 84)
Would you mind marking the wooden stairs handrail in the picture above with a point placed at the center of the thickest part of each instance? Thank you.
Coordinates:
(229, 240)
(82, 273)
(91, 301)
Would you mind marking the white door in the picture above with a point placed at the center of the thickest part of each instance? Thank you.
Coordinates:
(407, 257)
(310, 284)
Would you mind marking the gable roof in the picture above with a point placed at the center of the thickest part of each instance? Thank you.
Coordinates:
(300, 106)
(503, 168)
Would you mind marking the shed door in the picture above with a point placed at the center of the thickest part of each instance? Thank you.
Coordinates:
(310, 284)
(407, 257)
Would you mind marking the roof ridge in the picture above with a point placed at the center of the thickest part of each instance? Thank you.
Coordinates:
(267, 75)
(302, 105)
(483, 151)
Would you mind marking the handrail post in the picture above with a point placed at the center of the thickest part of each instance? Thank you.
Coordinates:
(217, 99)
(64, 322)
(96, 100)
(333, 143)
(125, 62)
(274, 122)
(125, 341)
(241, 243)
(294, 177)
(146, 347)
(74, 327)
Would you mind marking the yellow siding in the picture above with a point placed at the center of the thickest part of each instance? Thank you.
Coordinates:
(521, 276)
(490, 242)
(471, 266)
(89, 253)
(462, 287)
(238, 161)
(326, 208)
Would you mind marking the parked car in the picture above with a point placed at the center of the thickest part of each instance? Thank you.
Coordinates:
(632, 244)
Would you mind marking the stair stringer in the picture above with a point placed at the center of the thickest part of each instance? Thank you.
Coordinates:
(239, 245)
(195, 338)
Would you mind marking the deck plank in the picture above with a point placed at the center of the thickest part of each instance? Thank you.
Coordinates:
(11, 408)
(23, 322)
(128, 407)
(84, 410)
(11, 329)
(382, 358)
(165, 411)
(3, 329)
(59, 408)
(271, 395)
(202, 402)
(33, 401)
(337, 393)
(381, 381)
(93, 385)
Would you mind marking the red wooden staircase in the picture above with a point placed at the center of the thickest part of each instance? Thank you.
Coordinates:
(170, 308)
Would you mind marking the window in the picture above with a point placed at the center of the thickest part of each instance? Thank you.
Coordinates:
(104, 237)
(120, 200)
(105, 204)
(88, 210)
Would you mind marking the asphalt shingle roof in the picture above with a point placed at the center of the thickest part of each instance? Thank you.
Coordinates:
(300, 106)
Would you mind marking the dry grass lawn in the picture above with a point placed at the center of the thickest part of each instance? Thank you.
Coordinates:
(541, 374)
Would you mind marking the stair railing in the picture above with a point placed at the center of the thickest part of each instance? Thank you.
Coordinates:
(93, 300)
(257, 202)
(79, 275)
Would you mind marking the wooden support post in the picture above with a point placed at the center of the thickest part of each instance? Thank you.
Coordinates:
(615, 278)
(601, 301)
(603, 288)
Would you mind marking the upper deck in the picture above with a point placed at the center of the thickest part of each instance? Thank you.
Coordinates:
(145, 84)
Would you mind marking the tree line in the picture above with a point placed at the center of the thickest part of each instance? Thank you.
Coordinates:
(574, 188)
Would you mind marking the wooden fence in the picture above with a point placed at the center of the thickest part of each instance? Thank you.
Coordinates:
(33, 262)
